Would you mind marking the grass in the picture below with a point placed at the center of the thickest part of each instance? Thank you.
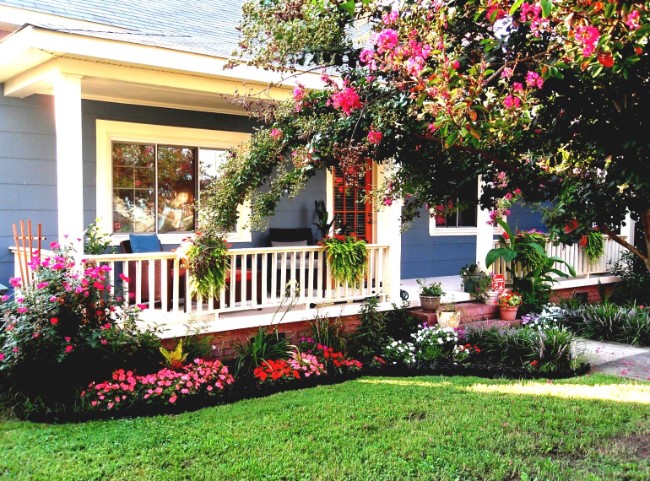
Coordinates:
(428, 428)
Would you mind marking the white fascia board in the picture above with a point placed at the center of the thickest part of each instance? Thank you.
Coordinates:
(125, 53)
(17, 54)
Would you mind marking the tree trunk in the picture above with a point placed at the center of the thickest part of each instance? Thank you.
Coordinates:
(645, 220)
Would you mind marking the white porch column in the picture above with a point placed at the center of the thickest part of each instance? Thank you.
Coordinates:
(388, 232)
(69, 163)
(627, 228)
(484, 231)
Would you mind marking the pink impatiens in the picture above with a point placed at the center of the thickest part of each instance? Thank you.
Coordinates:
(346, 100)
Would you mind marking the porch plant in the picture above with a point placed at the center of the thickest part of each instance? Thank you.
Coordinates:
(448, 315)
(594, 244)
(208, 263)
(530, 267)
(509, 303)
(347, 257)
(430, 295)
(322, 215)
(476, 281)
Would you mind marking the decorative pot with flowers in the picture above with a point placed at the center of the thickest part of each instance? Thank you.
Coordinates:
(430, 295)
(476, 282)
(508, 303)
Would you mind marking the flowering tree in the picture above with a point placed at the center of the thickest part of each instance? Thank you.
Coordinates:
(545, 100)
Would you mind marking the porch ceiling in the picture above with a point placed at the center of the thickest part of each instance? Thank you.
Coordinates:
(32, 58)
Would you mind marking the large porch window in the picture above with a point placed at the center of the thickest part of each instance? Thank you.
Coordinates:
(149, 177)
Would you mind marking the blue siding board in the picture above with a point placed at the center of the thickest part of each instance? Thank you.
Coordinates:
(524, 218)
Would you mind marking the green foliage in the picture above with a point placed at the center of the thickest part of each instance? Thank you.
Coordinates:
(526, 253)
(262, 346)
(400, 324)
(323, 216)
(476, 281)
(174, 359)
(609, 322)
(540, 350)
(634, 286)
(95, 241)
(209, 263)
(328, 332)
(195, 342)
(370, 336)
(347, 257)
(595, 246)
(432, 290)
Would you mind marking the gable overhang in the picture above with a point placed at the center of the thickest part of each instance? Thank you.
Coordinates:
(32, 58)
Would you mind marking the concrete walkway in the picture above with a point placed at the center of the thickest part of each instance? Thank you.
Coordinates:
(617, 359)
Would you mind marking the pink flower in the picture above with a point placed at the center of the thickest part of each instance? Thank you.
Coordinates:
(276, 134)
(125, 278)
(42, 285)
(455, 65)
(67, 338)
(506, 73)
(587, 37)
(375, 136)
(22, 310)
(390, 18)
(512, 102)
(388, 201)
(2, 356)
(142, 307)
(633, 20)
(54, 321)
(347, 100)
(366, 55)
(55, 245)
(386, 40)
(16, 281)
(68, 348)
(517, 87)
(53, 299)
(4, 298)
(104, 342)
(172, 399)
(533, 79)
(298, 93)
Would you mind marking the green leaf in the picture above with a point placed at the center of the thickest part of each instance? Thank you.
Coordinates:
(515, 7)
(502, 252)
(547, 5)
(349, 7)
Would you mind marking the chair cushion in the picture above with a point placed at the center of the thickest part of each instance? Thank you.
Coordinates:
(145, 243)
(288, 243)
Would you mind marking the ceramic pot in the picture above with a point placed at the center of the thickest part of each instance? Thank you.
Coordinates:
(429, 303)
(448, 318)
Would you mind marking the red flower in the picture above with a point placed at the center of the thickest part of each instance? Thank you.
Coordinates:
(606, 60)
(583, 241)
(54, 321)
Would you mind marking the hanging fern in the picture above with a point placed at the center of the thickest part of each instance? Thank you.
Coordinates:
(208, 263)
(347, 257)
(595, 246)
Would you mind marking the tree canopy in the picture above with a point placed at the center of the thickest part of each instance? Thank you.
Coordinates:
(546, 100)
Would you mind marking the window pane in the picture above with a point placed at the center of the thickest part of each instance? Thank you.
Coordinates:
(210, 161)
(133, 187)
(176, 188)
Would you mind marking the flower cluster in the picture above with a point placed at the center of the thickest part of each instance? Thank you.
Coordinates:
(509, 299)
(463, 352)
(306, 364)
(550, 318)
(400, 353)
(337, 358)
(166, 387)
(273, 370)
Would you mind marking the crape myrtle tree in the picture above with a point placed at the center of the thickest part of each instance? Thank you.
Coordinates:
(547, 101)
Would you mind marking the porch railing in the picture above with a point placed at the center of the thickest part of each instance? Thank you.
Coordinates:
(574, 255)
(258, 278)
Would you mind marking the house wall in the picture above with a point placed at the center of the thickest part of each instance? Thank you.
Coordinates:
(27, 170)
(424, 255)
(523, 218)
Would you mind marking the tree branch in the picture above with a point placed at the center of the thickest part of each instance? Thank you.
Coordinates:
(619, 240)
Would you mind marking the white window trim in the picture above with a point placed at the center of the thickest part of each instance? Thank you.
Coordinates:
(111, 131)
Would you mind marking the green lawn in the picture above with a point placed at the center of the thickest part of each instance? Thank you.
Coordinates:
(429, 428)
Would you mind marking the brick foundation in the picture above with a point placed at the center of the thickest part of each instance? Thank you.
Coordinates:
(590, 292)
(224, 342)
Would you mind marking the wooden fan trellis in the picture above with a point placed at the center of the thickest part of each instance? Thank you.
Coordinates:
(25, 251)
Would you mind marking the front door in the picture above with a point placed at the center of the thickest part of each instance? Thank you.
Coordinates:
(352, 205)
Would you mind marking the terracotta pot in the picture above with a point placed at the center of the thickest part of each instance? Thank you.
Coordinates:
(429, 303)
(508, 313)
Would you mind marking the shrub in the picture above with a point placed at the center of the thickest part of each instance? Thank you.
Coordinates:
(328, 332)
(166, 387)
(634, 286)
(551, 317)
(262, 346)
(370, 336)
(66, 329)
(608, 322)
(399, 353)
(434, 342)
(400, 324)
(546, 350)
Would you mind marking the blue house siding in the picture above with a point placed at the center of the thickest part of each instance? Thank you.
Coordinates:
(424, 255)
(523, 218)
(28, 166)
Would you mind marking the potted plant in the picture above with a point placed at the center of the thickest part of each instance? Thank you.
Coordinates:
(430, 295)
(508, 305)
(347, 257)
(448, 316)
(323, 225)
(476, 282)
(208, 263)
